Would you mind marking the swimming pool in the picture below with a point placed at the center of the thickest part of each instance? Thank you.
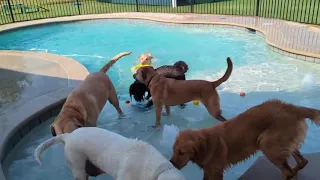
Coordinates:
(259, 72)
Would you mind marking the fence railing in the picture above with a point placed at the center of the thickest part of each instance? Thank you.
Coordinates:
(305, 11)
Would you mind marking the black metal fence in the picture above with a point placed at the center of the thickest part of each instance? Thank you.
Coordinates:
(305, 11)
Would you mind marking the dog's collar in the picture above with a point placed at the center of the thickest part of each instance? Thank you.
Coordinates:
(150, 80)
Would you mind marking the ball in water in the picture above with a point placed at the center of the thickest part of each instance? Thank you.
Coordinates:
(242, 94)
(127, 101)
(195, 102)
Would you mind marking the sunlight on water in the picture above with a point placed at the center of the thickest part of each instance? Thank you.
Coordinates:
(259, 72)
(308, 82)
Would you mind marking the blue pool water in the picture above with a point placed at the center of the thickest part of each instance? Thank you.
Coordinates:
(261, 73)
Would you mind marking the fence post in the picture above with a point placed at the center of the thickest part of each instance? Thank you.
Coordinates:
(11, 13)
(78, 7)
(137, 6)
(257, 7)
(191, 7)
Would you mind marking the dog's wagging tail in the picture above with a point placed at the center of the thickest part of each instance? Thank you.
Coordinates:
(226, 75)
(46, 144)
(106, 67)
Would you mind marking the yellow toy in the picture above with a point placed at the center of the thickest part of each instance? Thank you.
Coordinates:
(195, 102)
(136, 67)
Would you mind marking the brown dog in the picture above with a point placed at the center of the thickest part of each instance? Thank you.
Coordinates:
(274, 127)
(85, 103)
(170, 92)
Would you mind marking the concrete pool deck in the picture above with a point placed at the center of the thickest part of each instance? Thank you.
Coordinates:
(34, 82)
(293, 39)
(29, 83)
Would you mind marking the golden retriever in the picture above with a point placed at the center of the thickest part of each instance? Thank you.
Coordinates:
(170, 92)
(274, 127)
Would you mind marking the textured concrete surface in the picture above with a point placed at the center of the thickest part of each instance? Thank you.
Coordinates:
(29, 83)
(263, 169)
(292, 37)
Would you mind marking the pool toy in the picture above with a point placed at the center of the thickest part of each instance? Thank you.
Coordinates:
(195, 102)
(136, 67)
(139, 106)
(127, 101)
(242, 94)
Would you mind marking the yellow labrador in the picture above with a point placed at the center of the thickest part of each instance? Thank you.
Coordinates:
(85, 103)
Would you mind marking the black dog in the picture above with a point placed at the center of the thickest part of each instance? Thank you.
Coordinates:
(177, 71)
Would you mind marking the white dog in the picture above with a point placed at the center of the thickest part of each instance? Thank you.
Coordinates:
(116, 155)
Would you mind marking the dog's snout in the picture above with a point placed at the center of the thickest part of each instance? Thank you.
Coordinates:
(173, 163)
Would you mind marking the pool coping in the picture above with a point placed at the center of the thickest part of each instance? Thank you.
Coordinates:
(34, 112)
(178, 19)
(11, 135)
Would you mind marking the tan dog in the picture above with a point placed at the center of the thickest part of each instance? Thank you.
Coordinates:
(170, 92)
(274, 127)
(85, 103)
(145, 59)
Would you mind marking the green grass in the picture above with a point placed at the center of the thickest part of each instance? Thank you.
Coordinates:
(306, 11)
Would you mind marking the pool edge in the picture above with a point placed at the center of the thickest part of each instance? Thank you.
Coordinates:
(255, 23)
(42, 107)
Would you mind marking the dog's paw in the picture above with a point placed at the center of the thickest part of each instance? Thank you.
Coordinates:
(165, 114)
(157, 126)
(182, 106)
(123, 116)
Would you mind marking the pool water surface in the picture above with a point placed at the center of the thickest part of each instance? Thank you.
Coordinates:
(258, 71)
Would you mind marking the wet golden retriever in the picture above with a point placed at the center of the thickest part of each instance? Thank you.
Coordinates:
(274, 127)
(170, 92)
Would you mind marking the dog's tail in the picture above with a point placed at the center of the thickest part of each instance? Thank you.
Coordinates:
(46, 144)
(310, 113)
(225, 76)
(106, 67)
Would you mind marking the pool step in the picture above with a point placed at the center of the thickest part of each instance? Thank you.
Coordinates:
(263, 169)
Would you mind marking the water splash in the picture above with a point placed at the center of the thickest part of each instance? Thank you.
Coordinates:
(308, 82)
(169, 135)
(82, 55)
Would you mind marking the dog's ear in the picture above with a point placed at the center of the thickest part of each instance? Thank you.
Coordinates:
(200, 147)
(77, 124)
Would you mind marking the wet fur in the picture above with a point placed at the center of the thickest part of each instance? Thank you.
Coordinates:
(176, 71)
(84, 104)
(170, 92)
(276, 128)
(120, 157)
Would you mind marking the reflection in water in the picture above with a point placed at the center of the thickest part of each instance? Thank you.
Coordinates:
(11, 85)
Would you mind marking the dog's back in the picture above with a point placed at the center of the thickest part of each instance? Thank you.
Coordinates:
(272, 126)
(171, 72)
(177, 71)
(144, 162)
